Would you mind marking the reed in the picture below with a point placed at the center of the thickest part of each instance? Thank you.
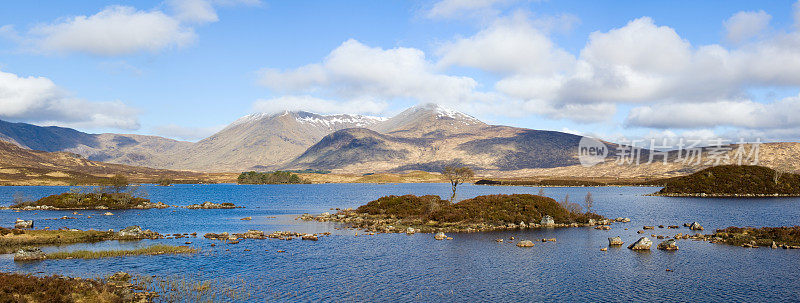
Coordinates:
(158, 249)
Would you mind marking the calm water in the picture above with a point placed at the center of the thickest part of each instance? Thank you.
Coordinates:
(472, 267)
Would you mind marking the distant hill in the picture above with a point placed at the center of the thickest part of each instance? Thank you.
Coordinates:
(734, 180)
(19, 166)
(265, 141)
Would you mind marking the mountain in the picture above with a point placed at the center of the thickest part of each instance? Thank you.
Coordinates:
(138, 150)
(429, 137)
(265, 141)
(20, 166)
(429, 120)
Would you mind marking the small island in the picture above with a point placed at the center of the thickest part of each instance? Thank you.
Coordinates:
(276, 177)
(733, 181)
(429, 214)
(212, 205)
(774, 237)
(91, 200)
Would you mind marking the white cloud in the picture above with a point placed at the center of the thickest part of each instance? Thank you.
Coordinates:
(123, 30)
(194, 11)
(116, 30)
(317, 105)
(745, 114)
(510, 45)
(745, 25)
(39, 100)
(356, 71)
(452, 8)
(186, 133)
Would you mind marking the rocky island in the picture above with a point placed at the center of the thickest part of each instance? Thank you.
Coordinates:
(733, 181)
(429, 214)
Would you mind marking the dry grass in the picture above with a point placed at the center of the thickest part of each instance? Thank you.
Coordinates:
(11, 240)
(158, 249)
(28, 288)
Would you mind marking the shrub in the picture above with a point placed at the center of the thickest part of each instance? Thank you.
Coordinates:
(277, 177)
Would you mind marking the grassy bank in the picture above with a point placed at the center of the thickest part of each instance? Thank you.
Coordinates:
(13, 239)
(29, 288)
(765, 236)
(158, 249)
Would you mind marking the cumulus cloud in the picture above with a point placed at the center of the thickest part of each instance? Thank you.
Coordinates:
(317, 105)
(39, 100)
(357, 71)
(121, 30)
(745, 25)
(186, 133)
(746, 114)
(510, 45)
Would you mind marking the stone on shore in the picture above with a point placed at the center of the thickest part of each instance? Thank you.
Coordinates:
(29, 254)
(23, 224)
(642, 244)
(525, 243)
(410, 231)
(440, 236)
(670, 244)
(547, 221)
(615, 241)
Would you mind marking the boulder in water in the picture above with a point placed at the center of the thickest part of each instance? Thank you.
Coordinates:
(670, 244)
(615, 241)
(440, 236)
(642, 244)
(29, 254)
(695, 226)
(525, 243)
(23, 224)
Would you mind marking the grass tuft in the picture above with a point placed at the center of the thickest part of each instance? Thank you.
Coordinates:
(158, 249)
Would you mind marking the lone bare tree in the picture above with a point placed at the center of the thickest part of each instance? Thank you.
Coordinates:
(457, 175)
(589, 202)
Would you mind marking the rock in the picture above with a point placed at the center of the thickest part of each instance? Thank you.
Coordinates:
(661, 226)
(695, 226)
(604, 249)
(648, 227)
(686, 225)
(108, 214)
(120, 277)
(525, 243)
(131, 231)
(774, 245)
(547, 221)
(642, 244)
(309, 237)
(29, 254)
(673, 226)
(592, 222)
(615, 241)
(499, 240)
(246, 218)
(603, 227)
(522, 224)
(23, 224)
(440, 236)
(670, 244)
(551, 240)
(410, 231)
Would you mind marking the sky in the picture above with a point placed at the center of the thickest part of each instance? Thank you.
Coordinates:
(617, 70)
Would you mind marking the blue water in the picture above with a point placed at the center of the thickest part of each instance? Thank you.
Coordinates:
(471, 267)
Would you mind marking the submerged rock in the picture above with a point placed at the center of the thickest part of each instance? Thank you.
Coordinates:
(29, 254)
(670, 244)
(440, 236)
(642, 244)
(525, 243)
(615, 241)
(23, 224)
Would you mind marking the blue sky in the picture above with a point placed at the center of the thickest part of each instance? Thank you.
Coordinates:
(613, 69)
